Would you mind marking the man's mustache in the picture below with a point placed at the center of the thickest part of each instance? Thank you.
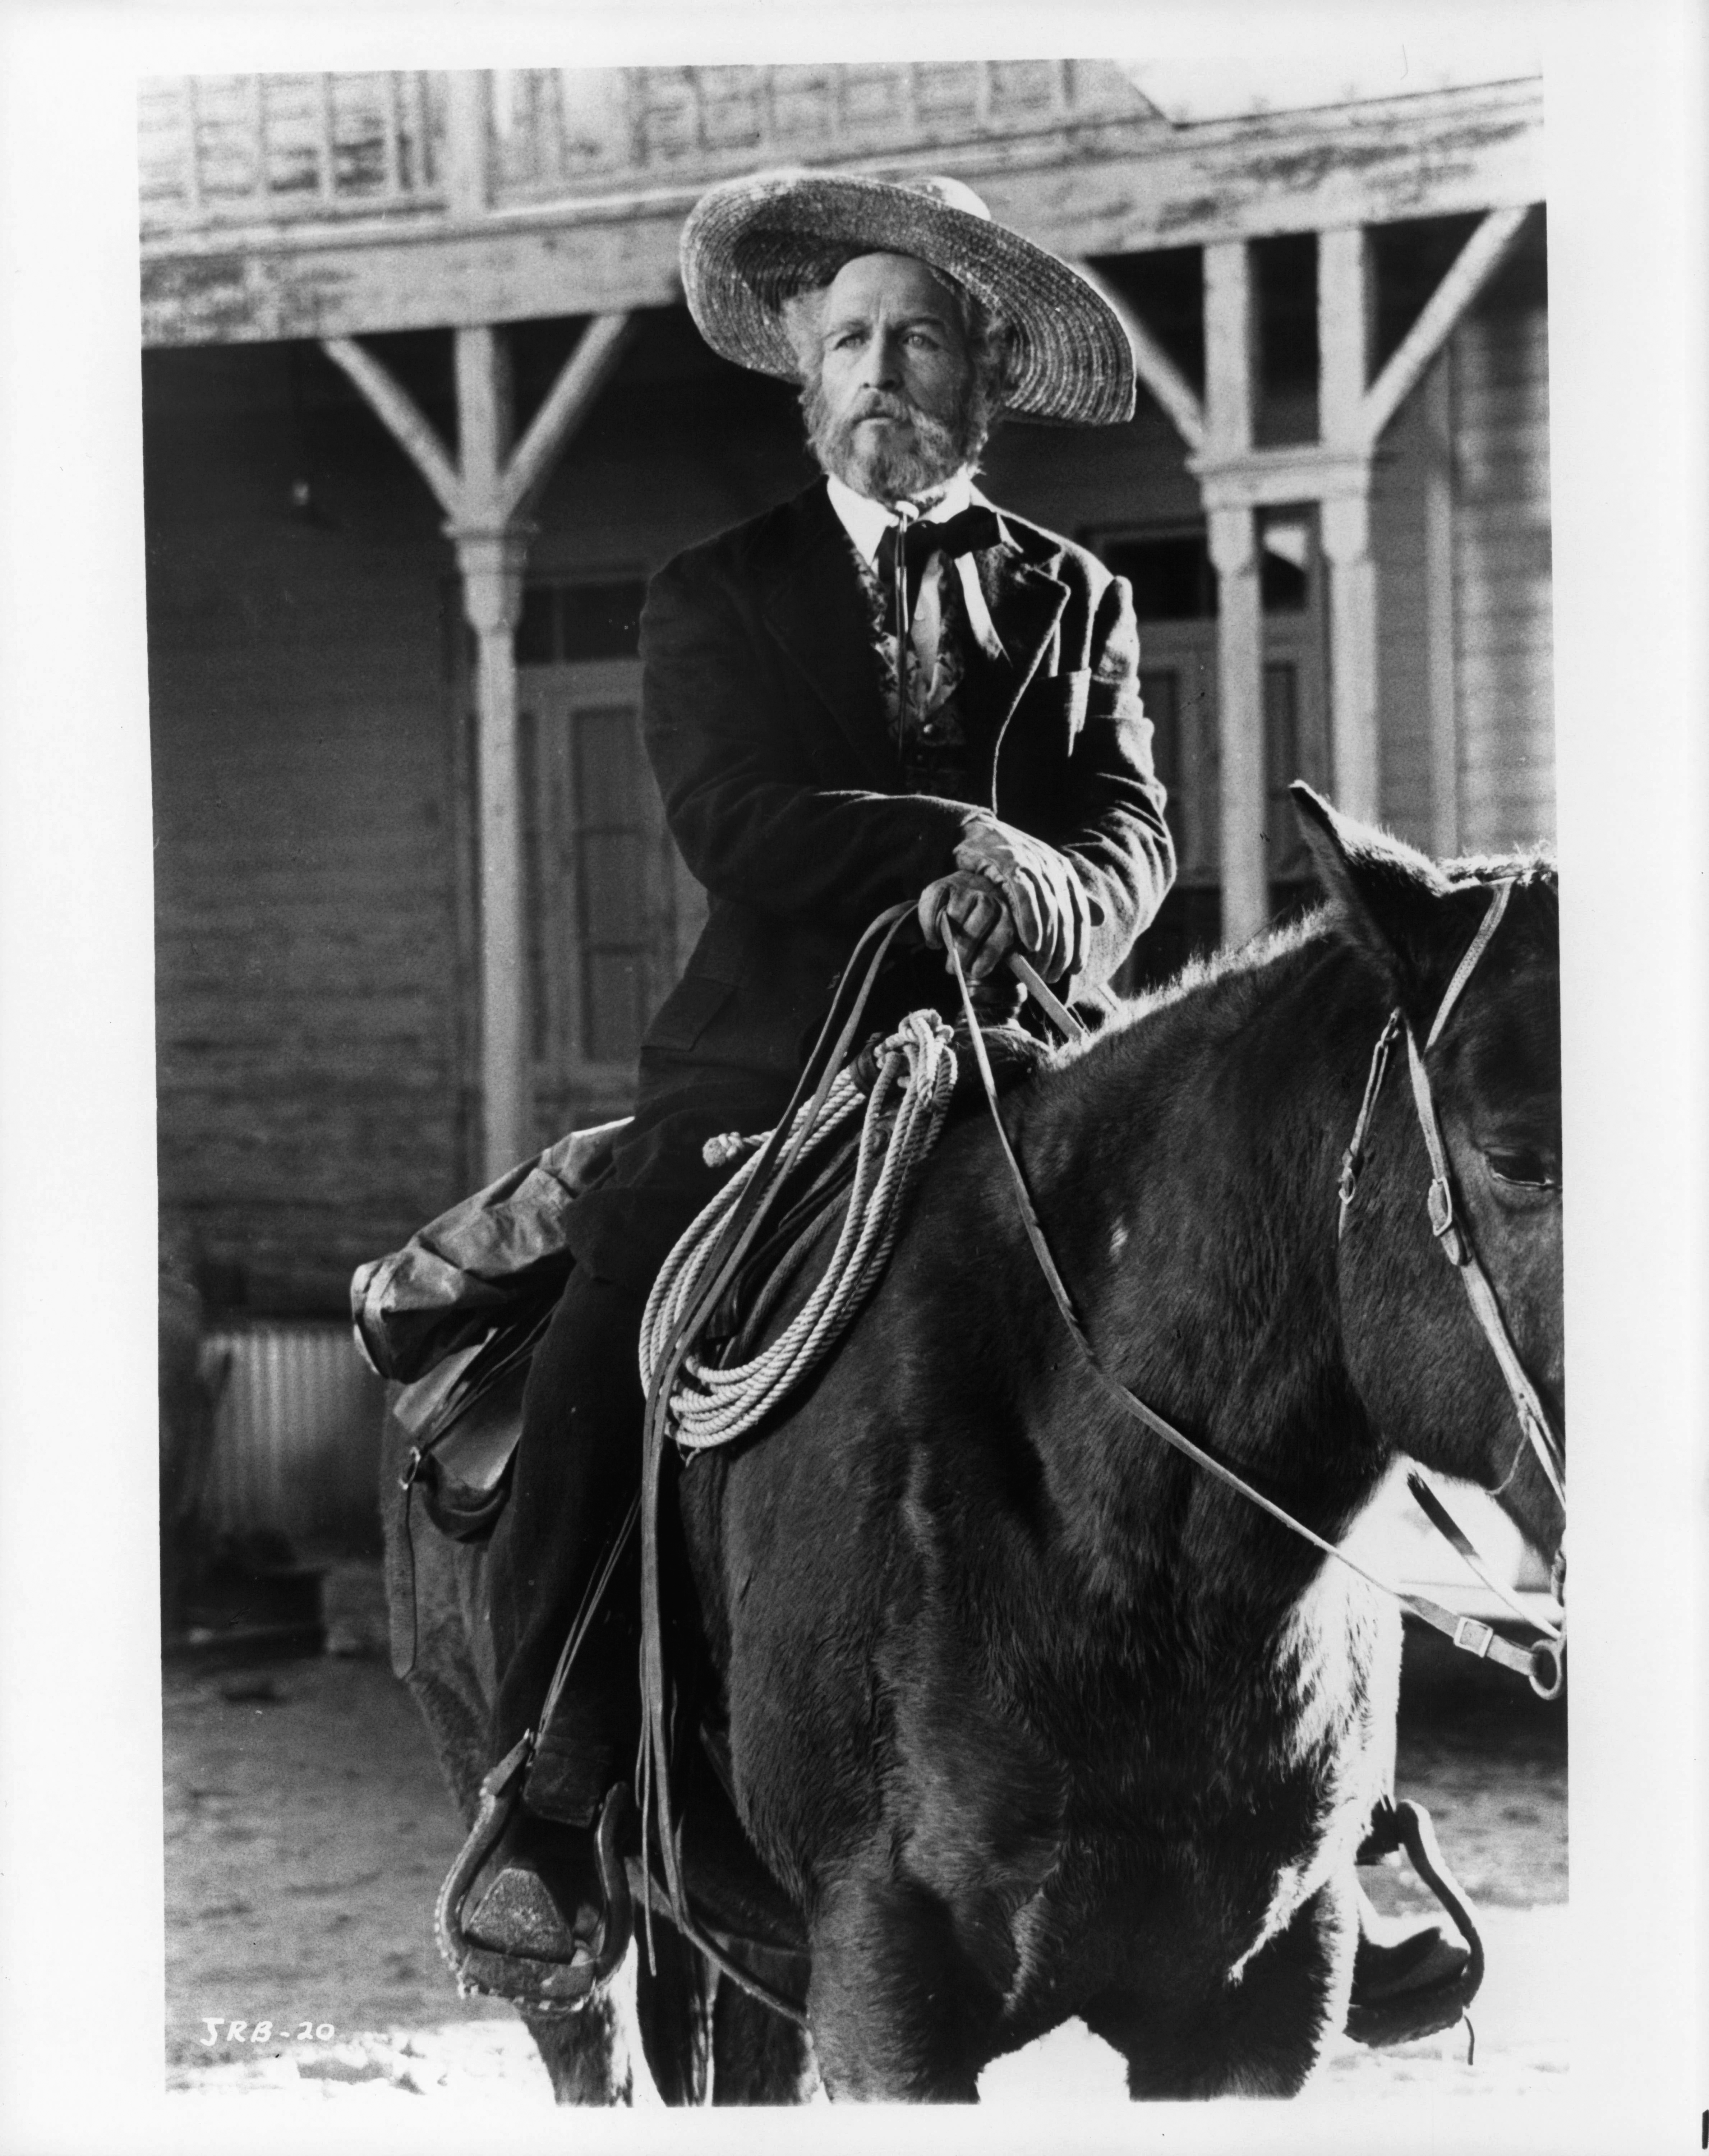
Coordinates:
(876, 405)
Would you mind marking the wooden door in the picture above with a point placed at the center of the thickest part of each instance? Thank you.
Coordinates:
(613, 911)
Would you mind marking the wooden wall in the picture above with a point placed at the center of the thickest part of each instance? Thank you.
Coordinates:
(1464, 632)
(1503, 590)
(306, 967)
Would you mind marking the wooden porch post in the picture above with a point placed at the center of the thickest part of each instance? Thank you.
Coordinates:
(1441, 646)
(492, 553)
(1229, 338)
(492, 562)
(1344, 357)
(1345, 532)
(484, 492)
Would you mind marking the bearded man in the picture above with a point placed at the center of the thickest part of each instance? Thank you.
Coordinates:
(883, 691)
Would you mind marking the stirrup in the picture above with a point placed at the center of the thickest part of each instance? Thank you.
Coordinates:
(533, 1982)
(1424, 2013)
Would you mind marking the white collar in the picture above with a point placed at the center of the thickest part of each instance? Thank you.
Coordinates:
(866, 520)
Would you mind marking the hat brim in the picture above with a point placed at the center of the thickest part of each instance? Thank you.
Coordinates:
(751, 244)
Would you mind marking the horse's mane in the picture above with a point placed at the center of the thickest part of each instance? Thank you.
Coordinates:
(1229, 983)
(1232, 982)
(1244, 964)
(1532, 865)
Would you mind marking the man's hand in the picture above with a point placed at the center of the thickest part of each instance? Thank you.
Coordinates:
(1044, 900)
(972, 910)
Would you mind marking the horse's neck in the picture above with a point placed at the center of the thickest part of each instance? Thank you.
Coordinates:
(1194, 1154)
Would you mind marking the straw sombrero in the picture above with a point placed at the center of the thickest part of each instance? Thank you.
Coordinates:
(751, 244)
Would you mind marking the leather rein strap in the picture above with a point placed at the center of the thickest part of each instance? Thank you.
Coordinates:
(1541, 1664)
(830, 1052)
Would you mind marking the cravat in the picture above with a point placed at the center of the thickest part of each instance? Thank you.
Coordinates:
(961, 534)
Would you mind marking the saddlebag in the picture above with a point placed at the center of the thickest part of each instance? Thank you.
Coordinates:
(453, 1319)
(463, 1420)
(475, 1267)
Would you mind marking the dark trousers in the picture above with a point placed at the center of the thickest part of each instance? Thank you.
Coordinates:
(578, 1461)
(578, 1466)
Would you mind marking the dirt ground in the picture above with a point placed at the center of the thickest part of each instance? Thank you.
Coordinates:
(307, 1832)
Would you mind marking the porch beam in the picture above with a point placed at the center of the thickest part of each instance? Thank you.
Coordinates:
(1469, 272)
(584, 374)
(1230, 372)
(1153, 364)
(402, 415)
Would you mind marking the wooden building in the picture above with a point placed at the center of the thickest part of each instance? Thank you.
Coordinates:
(423, 410)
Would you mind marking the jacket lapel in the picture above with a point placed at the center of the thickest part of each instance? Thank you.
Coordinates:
(1025, 602)
(817, 611)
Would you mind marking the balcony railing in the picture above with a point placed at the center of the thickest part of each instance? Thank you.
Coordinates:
(229, 150)
(250, 149)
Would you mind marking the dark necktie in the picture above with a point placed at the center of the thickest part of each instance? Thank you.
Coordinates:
(964, 533)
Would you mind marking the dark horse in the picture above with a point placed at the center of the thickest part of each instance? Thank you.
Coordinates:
(1028, 1716)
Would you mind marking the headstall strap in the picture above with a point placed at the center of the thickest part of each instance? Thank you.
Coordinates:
(1533, 1421)
(1500, 894)
(1353, 1159)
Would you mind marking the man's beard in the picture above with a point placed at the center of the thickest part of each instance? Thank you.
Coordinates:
(900, 464)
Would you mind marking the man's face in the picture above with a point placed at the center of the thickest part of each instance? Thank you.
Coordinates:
(892, 413)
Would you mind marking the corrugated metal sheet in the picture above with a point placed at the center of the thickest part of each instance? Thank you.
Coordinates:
(297, 1442)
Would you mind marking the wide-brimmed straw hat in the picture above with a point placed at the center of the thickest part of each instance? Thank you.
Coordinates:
(752, 244)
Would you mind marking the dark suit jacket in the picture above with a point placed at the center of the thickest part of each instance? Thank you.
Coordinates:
(762, 711)
(763, 716)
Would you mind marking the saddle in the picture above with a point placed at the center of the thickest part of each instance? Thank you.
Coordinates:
(453, 1318)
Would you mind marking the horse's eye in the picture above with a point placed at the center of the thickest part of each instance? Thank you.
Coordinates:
(1518, 1164)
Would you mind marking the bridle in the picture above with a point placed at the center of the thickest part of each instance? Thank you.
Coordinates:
(1543, 1665)
(1453, 1241)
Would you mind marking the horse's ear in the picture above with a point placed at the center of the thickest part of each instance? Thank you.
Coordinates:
(1386, 899)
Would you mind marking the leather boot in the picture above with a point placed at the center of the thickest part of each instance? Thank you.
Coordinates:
(552, 1915)
(538, 1895)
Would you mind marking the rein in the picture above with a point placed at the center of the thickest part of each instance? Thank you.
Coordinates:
(670, 1351)
(1542, 1665)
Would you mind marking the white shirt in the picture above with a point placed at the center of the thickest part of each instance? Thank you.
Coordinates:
(866, 521)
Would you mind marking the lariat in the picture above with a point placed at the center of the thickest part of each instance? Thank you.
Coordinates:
(916, 1077)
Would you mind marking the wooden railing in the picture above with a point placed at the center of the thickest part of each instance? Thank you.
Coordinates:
(223, 151)
(261, 149)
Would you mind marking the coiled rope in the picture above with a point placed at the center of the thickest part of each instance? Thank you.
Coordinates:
(916, 1075)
